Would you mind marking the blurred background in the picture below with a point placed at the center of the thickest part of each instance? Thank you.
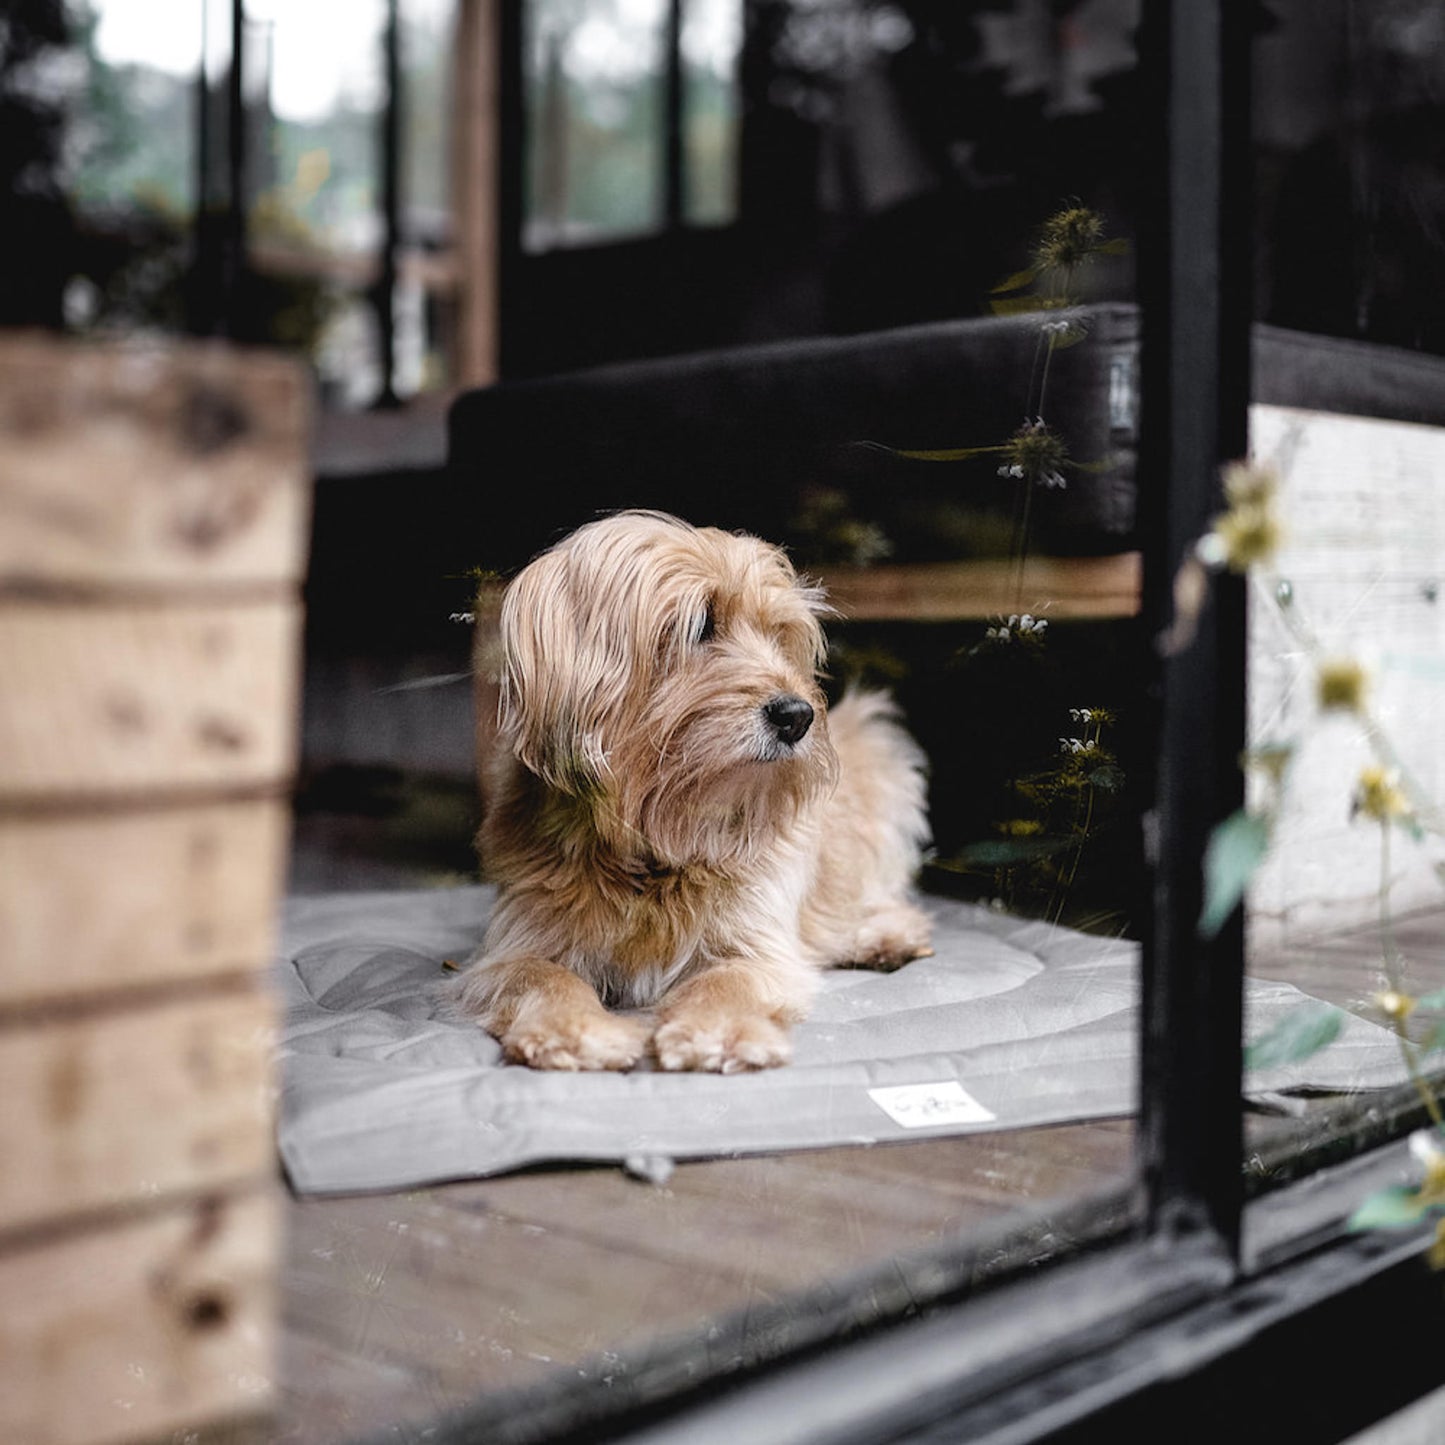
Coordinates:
(419, 195)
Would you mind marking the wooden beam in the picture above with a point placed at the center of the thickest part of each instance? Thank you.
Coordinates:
(1057, 588)
(134, 465)
(104, 700)
(100, 902)
(132, 1104)
(143, 1326)
(474, 191)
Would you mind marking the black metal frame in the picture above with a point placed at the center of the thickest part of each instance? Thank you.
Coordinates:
(1195, 360)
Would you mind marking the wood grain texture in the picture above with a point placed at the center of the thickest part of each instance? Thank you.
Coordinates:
(1051, 587)
(134, 1103)
(398, 1307)
(143, 1326)
(1363, 503)
(95, 901)
(125, 699)
(129, 464)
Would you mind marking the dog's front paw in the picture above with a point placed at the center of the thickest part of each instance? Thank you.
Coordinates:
(892, 936)
(721, 1045)
(593, 1041)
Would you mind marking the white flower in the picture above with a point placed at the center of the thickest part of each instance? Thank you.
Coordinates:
(1023, 624)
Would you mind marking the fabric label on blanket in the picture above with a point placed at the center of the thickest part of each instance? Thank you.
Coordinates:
(917, 1106)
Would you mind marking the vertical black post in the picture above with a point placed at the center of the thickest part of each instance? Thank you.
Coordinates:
(233, 219)
(1195, 268)
(674, 199)
(384, 296)
(203, 248)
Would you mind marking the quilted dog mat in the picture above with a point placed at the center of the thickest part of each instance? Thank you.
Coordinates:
(1012, 1023)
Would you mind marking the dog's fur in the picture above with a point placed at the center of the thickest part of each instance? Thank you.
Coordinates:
(663, 836)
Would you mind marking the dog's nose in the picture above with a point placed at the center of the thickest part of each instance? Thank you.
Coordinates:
(789, 716)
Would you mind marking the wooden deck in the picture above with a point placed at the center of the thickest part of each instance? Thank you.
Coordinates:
(398, 1308)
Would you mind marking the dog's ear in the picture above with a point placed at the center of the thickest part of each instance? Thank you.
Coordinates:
(560, 678)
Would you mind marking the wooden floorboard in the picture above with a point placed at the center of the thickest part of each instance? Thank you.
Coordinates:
(399, 1307)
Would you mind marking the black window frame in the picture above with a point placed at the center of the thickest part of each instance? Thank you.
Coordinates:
(1182, 1309)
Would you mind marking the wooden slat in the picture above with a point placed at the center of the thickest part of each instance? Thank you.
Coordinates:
(134, 1103)
(781, 1223)
(474, 1302)
(113, 900)
(474, 165)
(99, 700)
(143, 1326)
(1058, 588)
(130, 464)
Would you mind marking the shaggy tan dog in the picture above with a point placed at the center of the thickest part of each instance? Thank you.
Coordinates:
(675, 821)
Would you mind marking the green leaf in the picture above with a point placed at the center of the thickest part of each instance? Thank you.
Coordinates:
(1109, 778)
(1016, 282)
(1395, 1207)
(1236, 848)
(1301, 1032)
(1000, 852)
(1016, 305)
(1119, 246)
(949, 454)
(1435, 1000)
(1061, 341)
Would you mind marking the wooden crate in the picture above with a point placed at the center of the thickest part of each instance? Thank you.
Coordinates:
(154, 506)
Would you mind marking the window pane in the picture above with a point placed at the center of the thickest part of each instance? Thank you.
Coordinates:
(993, 592)
(711, 41)
(1347, 662)
(135, 148)
(594, 119)
(425, 310)
(132, 160)
(315, 220)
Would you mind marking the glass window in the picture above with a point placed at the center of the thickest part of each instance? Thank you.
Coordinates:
(1346, 535)
(595, 118)
(155, 182)
(711, 44)
(133, 153)
(316, 88)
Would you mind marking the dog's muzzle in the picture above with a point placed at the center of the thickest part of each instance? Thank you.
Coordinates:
(789, 716)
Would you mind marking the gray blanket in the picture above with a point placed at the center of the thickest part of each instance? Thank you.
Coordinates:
(1012, 1023)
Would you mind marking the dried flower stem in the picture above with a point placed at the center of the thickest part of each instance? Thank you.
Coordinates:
(1394, 980)
(1425, 810)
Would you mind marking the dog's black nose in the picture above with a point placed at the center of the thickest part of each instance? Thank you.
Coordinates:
(788, 716)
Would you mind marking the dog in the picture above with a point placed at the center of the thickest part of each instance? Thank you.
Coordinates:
(681, 833)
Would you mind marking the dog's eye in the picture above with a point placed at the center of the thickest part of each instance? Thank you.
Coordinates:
(707, 630)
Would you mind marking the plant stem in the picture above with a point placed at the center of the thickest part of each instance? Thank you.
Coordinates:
(1394, 980)
(1023, 546)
